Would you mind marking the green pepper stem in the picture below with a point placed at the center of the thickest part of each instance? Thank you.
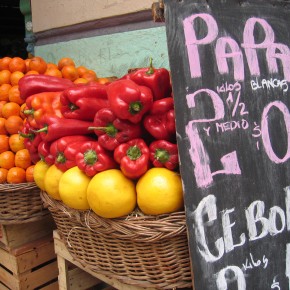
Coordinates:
(90, 157)
(161, 155)
(44, 129)
(29, 136)
(150, 70)
(134, 152)
(110, 130)
(29, 112)
(60, 158)
(135, 107)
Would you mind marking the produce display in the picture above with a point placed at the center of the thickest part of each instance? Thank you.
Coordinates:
(106, 144)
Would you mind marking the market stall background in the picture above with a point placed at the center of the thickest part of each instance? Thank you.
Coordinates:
(107, 36)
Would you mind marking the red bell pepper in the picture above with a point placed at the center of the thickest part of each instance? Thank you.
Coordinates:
(44, 152)
(31, 140)
(82, 102)
(128, 100)
(34, 84)
(164, 154)
(133, 157)
(52, 128)
(112, 131)
(158, 80)
(38, 105)
(160, 121)
(93, 158)
(65, 149)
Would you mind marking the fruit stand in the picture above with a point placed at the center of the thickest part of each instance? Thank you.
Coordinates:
(102, 161)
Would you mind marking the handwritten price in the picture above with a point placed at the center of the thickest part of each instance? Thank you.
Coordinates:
(237, 103)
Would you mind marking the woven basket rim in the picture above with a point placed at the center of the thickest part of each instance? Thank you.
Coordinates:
(12, 187)
(136, 226)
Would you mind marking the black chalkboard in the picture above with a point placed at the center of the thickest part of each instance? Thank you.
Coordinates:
(230, 66)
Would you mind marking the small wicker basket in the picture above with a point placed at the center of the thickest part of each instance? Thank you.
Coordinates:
(20, 203)
(145, 251)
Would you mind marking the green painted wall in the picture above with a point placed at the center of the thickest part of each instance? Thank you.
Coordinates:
(114, 54)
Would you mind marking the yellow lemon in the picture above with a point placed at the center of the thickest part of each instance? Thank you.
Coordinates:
(51, 181)
(39, 172)
(159, 191)
(73, 186)
(111, 194)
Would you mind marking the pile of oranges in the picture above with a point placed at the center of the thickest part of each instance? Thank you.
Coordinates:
(15, 162)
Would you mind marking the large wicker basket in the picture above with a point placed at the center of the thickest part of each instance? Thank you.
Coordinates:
(140, 250)
(20, 203)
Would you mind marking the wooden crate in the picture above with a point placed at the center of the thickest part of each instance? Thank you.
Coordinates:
(30, 266)
(81, 278)
(15, 235)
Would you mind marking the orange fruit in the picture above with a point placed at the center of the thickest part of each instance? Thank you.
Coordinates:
(15, 77)
(69, 72)
(90, 75)
(5, 76)
(22, 158)
(4, 62)
(10, 109)
(2, 103)
(55, 72)
(13, 124)
(4, 92)
(16, 175)
(4, 143)
(65, 61)
(14, 95)
(81, 70)
(29, 173)
(27, 61)
(32, 72)
(23, 107)
(51, 65)
(7, 159)
(3, 175)
(16, 142)
(38, 64)
(17, 64)
(81, 81)
(3, 130)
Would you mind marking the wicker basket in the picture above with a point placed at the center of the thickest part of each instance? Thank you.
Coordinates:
(20, 203)
(140, 250)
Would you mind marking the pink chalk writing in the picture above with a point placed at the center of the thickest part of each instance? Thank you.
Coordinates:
(227, 48)
(197, 151)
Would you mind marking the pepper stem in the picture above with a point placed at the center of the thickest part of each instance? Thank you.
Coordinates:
(110, 129)
(150, 70)
(29, 135)
(44, 129)
(60, 158)
(161, 155)
(134, 152)
(29, 112)
(73, 107)
(135, 107)
(90, 157)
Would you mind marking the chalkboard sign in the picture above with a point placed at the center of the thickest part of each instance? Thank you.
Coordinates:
(230, 66)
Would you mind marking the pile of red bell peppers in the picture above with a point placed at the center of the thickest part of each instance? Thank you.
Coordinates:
(128, 123)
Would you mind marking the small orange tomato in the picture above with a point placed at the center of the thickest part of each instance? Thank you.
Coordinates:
(22, 158)
(3, 175)
(3, 130)
(16, 142)
(13, 124)
(16, 175)
(4, 143)
(29, 173)
(7, 159)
